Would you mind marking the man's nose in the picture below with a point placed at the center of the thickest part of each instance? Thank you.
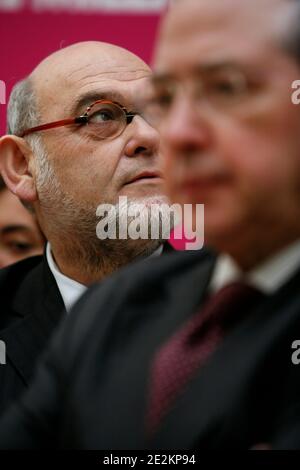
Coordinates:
(144, 138)
(186, 127)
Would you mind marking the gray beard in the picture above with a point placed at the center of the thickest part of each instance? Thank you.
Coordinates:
(70, 226)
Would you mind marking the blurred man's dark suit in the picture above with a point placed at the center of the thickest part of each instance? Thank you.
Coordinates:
(31, 307)
(91, 390)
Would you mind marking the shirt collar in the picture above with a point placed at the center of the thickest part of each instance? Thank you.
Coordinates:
(268, 277)
(69, 289)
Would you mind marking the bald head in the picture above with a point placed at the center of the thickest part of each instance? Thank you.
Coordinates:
(85, 59)
(71, 71)
(77, 56)
(60, 76)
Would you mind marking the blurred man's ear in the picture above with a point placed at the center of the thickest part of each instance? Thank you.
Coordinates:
(15, 160)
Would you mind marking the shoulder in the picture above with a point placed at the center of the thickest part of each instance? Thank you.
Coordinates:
(145, 274)
(170, 263)
(19, 277)
(13, 275)
(133, 287)
(17, 271)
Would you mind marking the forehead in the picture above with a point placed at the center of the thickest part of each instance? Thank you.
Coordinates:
(88, 75)
(211, 31)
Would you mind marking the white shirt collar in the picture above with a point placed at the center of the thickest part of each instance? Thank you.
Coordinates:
(268, 277)
(69, 289)
(157, 252)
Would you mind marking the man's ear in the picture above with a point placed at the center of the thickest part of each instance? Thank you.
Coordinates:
(15, 160)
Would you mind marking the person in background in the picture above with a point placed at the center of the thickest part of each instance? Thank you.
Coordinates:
(20, 235)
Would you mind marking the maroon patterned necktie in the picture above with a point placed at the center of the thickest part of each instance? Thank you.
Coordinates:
(178, 360)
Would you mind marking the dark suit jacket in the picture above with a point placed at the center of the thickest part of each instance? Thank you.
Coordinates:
(91, 389)
(31, 306)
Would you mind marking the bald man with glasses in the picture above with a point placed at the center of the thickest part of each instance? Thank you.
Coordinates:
(77, 139)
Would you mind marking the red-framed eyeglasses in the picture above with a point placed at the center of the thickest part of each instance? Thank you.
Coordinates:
(107, 118)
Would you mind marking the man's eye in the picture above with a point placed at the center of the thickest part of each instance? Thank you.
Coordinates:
(227, 87)
(20, 247)
(102, 116)
(163, 100)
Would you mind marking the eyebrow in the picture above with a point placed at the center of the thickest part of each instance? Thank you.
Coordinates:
(203, 68)
(88, 98)
(215, 67)
(15, 228)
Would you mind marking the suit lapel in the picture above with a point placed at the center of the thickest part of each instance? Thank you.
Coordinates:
(186, 292)
(178, 286)
(177, 290)
(40, 307)
(177, 300)
(211, 396)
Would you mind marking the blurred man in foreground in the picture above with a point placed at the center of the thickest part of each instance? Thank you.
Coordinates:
(196, 349)
(77, 140)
